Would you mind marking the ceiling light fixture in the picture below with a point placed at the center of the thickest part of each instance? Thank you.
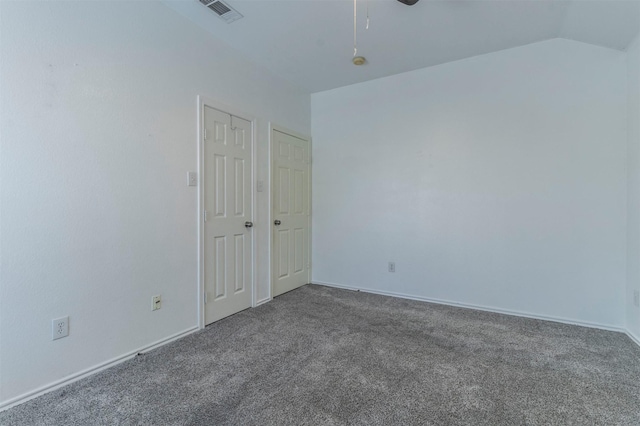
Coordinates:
(359, 60)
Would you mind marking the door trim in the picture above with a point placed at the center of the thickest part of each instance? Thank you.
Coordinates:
(203, 101)
(281, 129)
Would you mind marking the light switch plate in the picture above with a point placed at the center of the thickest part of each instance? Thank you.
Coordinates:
(192, 179)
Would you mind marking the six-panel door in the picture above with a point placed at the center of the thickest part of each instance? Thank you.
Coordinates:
(291, 209)
(227, 204)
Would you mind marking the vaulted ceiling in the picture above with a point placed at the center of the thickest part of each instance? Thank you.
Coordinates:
(310, 42)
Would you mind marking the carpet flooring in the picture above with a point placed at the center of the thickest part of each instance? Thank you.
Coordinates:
(324, 356)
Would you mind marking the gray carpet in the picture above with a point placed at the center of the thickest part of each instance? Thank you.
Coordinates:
(323, 356)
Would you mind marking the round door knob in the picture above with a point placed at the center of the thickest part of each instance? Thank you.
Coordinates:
(248, 224)
(276, 222)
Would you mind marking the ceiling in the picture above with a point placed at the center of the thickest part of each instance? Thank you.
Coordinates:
(310, 42)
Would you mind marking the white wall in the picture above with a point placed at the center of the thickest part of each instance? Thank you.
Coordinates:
(98, 125)
(495, 181)
(633, 185)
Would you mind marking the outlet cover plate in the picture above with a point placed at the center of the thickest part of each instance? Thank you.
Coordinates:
(59, 328)
(156, 303)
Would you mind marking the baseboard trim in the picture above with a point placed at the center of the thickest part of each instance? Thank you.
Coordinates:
(633, 337)
(478, 307)
(114, 361)
(92, 370)
(262, 302)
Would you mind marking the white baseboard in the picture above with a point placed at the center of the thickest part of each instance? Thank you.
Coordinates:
(91, 370)
(112, 362)
(262, 302)
(633, 337)
(478, 307)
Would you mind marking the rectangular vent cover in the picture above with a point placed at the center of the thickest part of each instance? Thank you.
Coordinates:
(223, 10)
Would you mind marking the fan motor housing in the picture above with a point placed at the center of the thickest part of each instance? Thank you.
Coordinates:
(408, 2)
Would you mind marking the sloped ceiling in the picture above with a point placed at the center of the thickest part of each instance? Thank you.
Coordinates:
(310, 42)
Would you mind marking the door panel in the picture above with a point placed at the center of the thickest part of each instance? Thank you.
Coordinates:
(282, 186)
(239, 261)
(228, 243)
(219, 184)
(283, 253)
(298, 250)
(220, 271)
(291, 207)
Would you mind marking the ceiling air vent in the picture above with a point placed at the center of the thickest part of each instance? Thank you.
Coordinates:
(223, 10)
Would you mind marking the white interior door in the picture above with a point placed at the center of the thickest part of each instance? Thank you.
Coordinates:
(228, 238)
(291, 212)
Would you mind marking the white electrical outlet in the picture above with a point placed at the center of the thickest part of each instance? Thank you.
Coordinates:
(392, 266)
(156, 303)
(636, 298)
(59, 328)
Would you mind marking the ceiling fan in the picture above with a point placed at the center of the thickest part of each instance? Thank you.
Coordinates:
(409, 2)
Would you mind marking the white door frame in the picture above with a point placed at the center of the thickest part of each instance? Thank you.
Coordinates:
(202, 102)
(281, 129)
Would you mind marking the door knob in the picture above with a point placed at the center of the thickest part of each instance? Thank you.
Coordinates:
(248, 224)
(276, 222)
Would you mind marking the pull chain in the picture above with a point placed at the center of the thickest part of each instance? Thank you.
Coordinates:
(355, 28)
(367, 27)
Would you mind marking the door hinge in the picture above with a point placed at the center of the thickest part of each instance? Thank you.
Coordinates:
(205, 134)
(205, 297)
(205, 215)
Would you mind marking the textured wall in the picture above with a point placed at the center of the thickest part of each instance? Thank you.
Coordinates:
(495, 181)
(98, 122)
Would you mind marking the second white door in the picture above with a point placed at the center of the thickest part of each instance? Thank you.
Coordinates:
(228, 238)
(291, 211)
